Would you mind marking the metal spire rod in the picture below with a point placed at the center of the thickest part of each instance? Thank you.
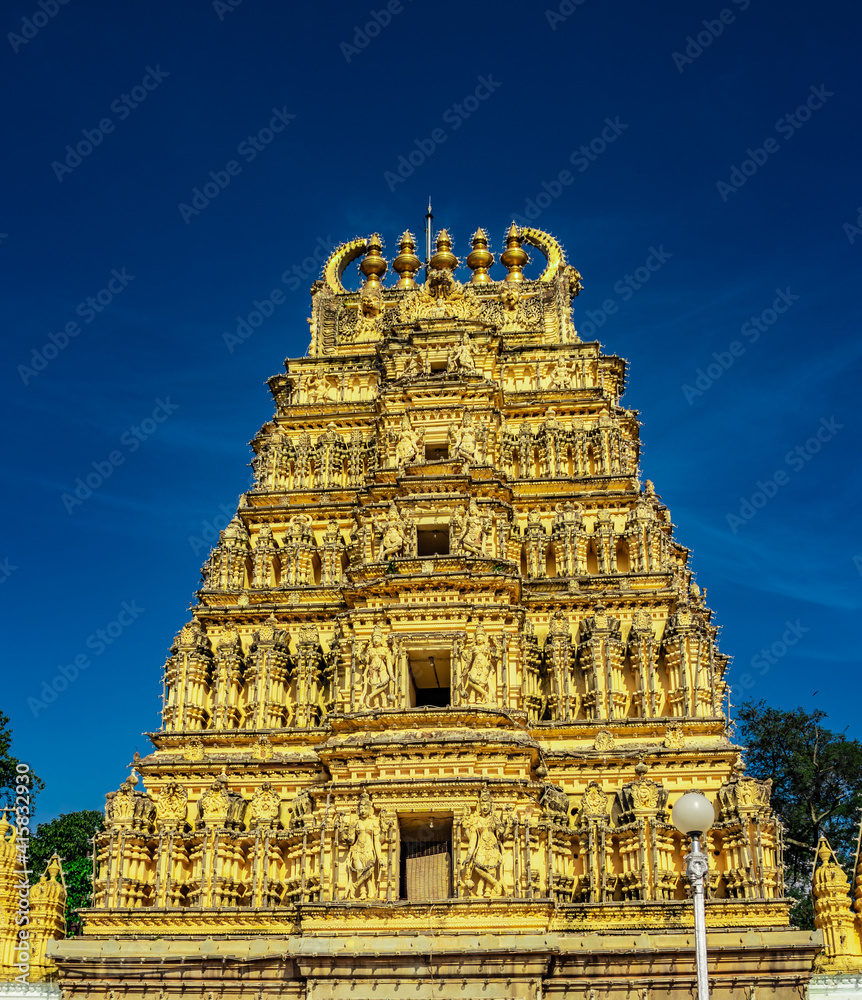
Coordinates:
(429, 226)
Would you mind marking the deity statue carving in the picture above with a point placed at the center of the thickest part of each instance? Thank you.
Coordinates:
(370, 313)
(365, 853)
(513, 302)
(478, 667)
(441, 297)
(394, 531)
(469, 531)
(408, 443)
(481, 873)
(466, 439)
(378, 660)
(316, 387)
(415, 365)
(460, 358)
(565, 374)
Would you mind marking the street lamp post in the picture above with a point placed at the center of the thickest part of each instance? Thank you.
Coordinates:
(693, 815)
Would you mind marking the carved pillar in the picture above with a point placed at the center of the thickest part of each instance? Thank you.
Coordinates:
(643, 655)
(267, 678)
(565, 699)
(265, 559)
(601, 657)
(187, 680)
(227, 681)
(309, 657)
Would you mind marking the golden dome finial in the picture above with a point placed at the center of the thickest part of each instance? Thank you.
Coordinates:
(444, 259)
(406, 264)
(514, 257)
(373, 265)
(480, 258)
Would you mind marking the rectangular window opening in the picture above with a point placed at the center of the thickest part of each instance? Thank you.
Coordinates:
(433, 541)
(430, 675)
(425, 857)
(436, 452)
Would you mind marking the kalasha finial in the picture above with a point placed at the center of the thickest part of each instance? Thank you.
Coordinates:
(444, 259)
(513, 257)
(406, 264)
(373, 265)
(480, 258)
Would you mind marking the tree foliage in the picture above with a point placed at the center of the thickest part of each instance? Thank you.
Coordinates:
(816, 788)
(68, 836)
(8, 768)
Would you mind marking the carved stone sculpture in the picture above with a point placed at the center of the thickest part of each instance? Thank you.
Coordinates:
(393, 530)
(478, 668)
(364, 856)
(378, 662)
(481, 873)
(408, 444)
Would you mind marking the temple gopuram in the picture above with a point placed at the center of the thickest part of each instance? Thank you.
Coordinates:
(447, 673)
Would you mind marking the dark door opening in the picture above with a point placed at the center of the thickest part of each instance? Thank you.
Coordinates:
(430, 676)
(426, 858)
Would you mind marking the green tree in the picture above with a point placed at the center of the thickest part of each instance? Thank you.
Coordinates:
(68, 836)
(816, 788)
(9, 774)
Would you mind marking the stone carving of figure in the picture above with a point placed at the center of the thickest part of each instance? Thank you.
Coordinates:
(461, 358)
(469, 531)
(369, 318)
(464, 440)
(393, 529)
(316, 387)
(478, 669)
(362, 833)
(415, 364)
(565, 374)
(408, 444)
(481, 872)
(379, 663)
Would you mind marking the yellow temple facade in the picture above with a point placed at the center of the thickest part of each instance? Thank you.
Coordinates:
(447, 673)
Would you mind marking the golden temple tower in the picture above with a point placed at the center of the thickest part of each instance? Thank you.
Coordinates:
(447, 674)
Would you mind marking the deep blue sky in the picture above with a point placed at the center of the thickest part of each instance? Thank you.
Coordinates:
(323, 180)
